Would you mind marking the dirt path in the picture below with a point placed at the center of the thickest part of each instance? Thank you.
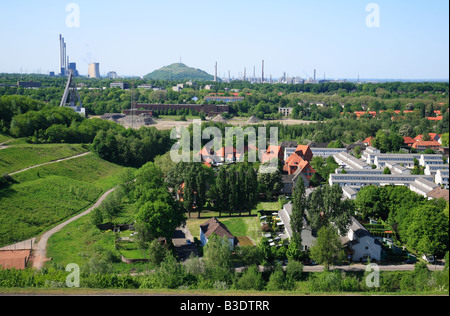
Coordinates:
(50, 162)
(39, 250)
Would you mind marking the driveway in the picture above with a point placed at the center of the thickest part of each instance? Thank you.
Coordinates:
(180, 241)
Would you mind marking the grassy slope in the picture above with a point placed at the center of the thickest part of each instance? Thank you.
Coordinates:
(22, 156)
(4, 138)
(45, 196)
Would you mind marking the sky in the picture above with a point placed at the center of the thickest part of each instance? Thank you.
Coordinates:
(341, 39)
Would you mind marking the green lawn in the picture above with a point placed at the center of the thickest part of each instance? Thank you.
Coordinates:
(47, 195)
(19, 157)
(238, 226)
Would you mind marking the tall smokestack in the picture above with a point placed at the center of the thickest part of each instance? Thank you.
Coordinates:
(245, 73)
(64, 57)
(215, 73)
(314, 75)
(61, 54)
(262, 75)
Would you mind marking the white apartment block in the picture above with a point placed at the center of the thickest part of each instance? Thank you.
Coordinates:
(441, 178)
(422, 186)
(348, 161)
(327, 152)
(357, 181)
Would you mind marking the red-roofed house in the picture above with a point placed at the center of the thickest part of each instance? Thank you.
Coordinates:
(424, 145)
(299, 160)
(437, 118)
(368, 141)
(433, 136)
(271, 153)
(409, 141)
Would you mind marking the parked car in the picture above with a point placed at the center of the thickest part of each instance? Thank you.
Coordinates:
(428, 258)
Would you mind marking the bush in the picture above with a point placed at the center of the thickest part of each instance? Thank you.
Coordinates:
(251, 279)
(334, 281)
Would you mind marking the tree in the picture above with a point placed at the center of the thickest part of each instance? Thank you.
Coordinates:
(158, 219)
(217, 253)
(298, 212)
(277, 280)
(406, 130)
(269, 183)
(251, 279)
(444, 139)
(326, 205)
(157, 252)
(171, 274)
(327, 250)
(428, 230)
(222, 191)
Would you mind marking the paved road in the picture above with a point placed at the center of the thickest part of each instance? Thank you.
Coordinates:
(39, 251)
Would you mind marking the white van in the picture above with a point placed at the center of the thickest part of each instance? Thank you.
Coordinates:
(428, 258)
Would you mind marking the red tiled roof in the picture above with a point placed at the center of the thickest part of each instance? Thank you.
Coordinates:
(426, 144)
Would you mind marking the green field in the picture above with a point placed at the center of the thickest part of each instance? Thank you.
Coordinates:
(19, 157)
(4, 138)
(47, 195)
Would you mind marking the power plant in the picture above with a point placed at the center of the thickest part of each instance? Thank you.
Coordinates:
(65, 65)
(62, 56)
(94, 70)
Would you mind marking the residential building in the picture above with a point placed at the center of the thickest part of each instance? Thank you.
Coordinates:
(289, 182)
(327, 152)
(214, 226)
(368, 141)
(299, 162)
(439, 193)
(348, 161)
(120, 85)
(369, 154)
(308, 238)
(349, 193)
(433, 136)
(272, 152)
(362, 244)
(422, 186)
(357, 181)
(224, 99)
(409, 141)
(422, 145)
(407, 160)
(285, 111)
(29, 84)
(441, 177)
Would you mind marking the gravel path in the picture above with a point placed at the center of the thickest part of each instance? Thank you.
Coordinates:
(39, 251)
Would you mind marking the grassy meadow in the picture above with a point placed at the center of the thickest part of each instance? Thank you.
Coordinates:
(43, 197)
(19, 157)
